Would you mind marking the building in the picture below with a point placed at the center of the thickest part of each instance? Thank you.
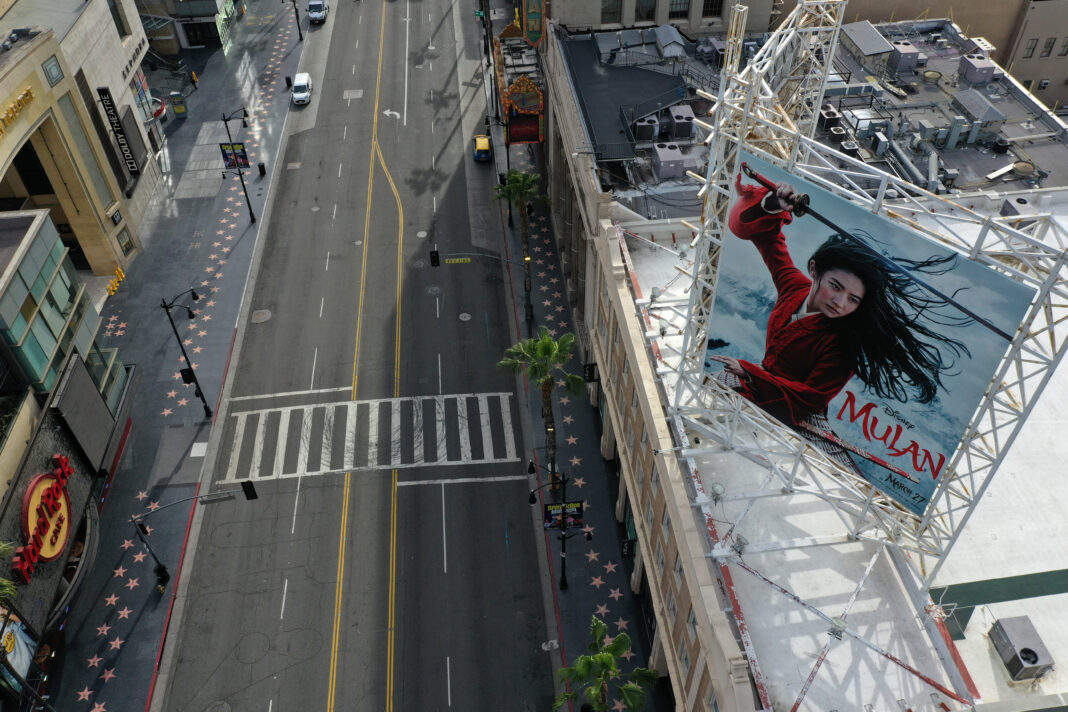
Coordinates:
(173, 25)
(756, 597)
(79, 137)
(693, 17)
(1027, 37)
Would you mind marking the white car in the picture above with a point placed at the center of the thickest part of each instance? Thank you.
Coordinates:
(302, 88)
(317, 10)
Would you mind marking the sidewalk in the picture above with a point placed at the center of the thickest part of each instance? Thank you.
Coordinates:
(598, 576)
(197, 235)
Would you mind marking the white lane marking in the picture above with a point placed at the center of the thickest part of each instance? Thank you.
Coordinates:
(506, 423)
(270, 704)
(440, 390)
(465, 437)
(315, 357)
(344, 135)
(350, 434)
(448, 679)
(395, 435)
(437, 307)
(372, 434)
(280, 443)
(296, 499)
(284, 394)
(463, 480)
(439, 421)
(487, 434)
(417, 430)
(322, 301)
(328, 438)
(257, 445)
(333, 215)
(305, 436)
(339, 170)
(407, 35)
(327, 261)
(444, 548)
(282, 613)
(435, 204)
(235, 452)
(354, 66)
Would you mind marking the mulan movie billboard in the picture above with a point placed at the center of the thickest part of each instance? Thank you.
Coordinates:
(871, 341)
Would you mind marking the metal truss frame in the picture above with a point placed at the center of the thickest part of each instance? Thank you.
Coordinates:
(768, 109)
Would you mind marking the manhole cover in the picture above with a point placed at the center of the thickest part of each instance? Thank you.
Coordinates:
(433, 290)
(358, 242)
(421, 234)
(464, 316)
(261, 315)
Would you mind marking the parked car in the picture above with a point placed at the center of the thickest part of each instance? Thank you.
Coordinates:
(302, 88)
(483, 148)
(317, 11)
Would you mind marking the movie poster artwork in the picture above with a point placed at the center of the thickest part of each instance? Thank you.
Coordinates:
(879, 354)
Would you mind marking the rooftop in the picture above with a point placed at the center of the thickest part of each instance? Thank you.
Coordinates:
(974, 135)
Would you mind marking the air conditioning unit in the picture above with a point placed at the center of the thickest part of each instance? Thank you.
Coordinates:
(1020, 648)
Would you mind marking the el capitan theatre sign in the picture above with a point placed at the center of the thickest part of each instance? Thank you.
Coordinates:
(46, 519)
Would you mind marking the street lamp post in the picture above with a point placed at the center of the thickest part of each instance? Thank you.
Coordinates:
(226, 119)
(296, 14)
(162, 574)
(189, 375)
(563, 536)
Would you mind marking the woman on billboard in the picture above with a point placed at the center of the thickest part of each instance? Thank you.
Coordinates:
(846, 313)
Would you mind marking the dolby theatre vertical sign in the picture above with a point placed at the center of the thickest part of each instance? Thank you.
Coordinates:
(112, 114)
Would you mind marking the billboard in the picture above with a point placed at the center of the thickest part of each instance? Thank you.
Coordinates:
(873, 342)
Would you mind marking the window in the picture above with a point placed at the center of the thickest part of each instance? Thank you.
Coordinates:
(1047, 48)
(712, 8)
(1064, 48)
(655, 479)
(634, 398)
(1029, 51)
(691, 625)
(1043, 83)
(119, 17)
(660, 559)
(53, 72)
(644, 10)
(1028, 83)
(125, 241)
(649, 512)
(665, 523)
(611, 11)
(626, 364)
(684, 660)
(713, 705)
(679, 9)
(678, 571)
(671, 607)
(645, 436)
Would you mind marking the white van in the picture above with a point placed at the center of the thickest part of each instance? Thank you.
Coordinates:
(302, 88)
(317, 10)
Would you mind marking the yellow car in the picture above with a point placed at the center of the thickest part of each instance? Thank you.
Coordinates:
(483, 148)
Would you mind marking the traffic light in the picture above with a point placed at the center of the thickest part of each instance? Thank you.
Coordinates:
(435, 258)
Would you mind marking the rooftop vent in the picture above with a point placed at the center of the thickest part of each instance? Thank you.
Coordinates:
(1020, 649)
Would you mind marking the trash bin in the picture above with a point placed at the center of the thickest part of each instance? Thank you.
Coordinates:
(263, 169)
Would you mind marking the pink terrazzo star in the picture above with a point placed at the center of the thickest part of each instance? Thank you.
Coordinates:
(172, 394)
(116, 643)
(198, 349)
(602, 610)
(597, 581)
(572, 440)
(127, 544)
(568, 419)
(618, 706)
(94, 661)
(575, 461)
(592, 555)
(133, 583)
(99, 707)
(111, 600)
(102, 629)
(211, 303)
(565, 400)
(83, 694)
(152, 506)
(622, 623)
(125, 612)
(143, 495)
(120, 572)
(610, 567)
(109, 673)
(628, 655)
(139, 557)
(166, 411)
(615, 594)
(546, 303)
(579, 482)
(183, 401)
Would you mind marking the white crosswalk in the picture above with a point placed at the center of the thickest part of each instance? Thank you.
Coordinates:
(304, 440)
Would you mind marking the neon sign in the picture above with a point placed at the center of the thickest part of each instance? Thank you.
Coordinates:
(46, 519)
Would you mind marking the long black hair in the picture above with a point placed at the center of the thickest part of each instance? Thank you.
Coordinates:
(894, 351)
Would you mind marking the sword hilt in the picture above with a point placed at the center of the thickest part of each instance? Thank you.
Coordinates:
(799, 202)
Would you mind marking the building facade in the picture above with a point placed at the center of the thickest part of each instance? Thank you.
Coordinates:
(693, 17)
(79, 137)
(1038, 53)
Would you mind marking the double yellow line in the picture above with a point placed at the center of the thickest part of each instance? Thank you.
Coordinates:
(376, 154)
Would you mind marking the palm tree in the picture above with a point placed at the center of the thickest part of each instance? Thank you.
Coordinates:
(8, 590)
(597, 670)
(521, 188)
(543, 359)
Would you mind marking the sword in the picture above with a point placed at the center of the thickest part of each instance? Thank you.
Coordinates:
(800, 205)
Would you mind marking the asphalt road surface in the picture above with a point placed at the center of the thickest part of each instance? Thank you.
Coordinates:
(390, 561)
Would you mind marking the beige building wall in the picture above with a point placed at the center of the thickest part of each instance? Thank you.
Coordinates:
(580, 14)
(19, 432)
(694, 642)
(53, 120)
(1043, 30)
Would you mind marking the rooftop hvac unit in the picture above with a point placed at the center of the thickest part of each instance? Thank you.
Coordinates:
(681, 121)
(904, 56)
(646, 129)
(1020, 648)
(976, 69)
(879, 143)
(828, 118)
(851, 148)
(668, 161)
(838, 134)
(1018, 208)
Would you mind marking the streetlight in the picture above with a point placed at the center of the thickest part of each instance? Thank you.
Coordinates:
(300, 35)
(226, 119)
(563, 536)
(162, 574)
(189, 375)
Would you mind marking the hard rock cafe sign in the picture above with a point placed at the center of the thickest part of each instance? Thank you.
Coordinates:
(46, 519)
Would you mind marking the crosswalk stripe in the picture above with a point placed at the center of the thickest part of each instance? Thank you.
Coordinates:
(315, 445)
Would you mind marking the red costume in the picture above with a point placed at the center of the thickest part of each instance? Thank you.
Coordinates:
(804, 364)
